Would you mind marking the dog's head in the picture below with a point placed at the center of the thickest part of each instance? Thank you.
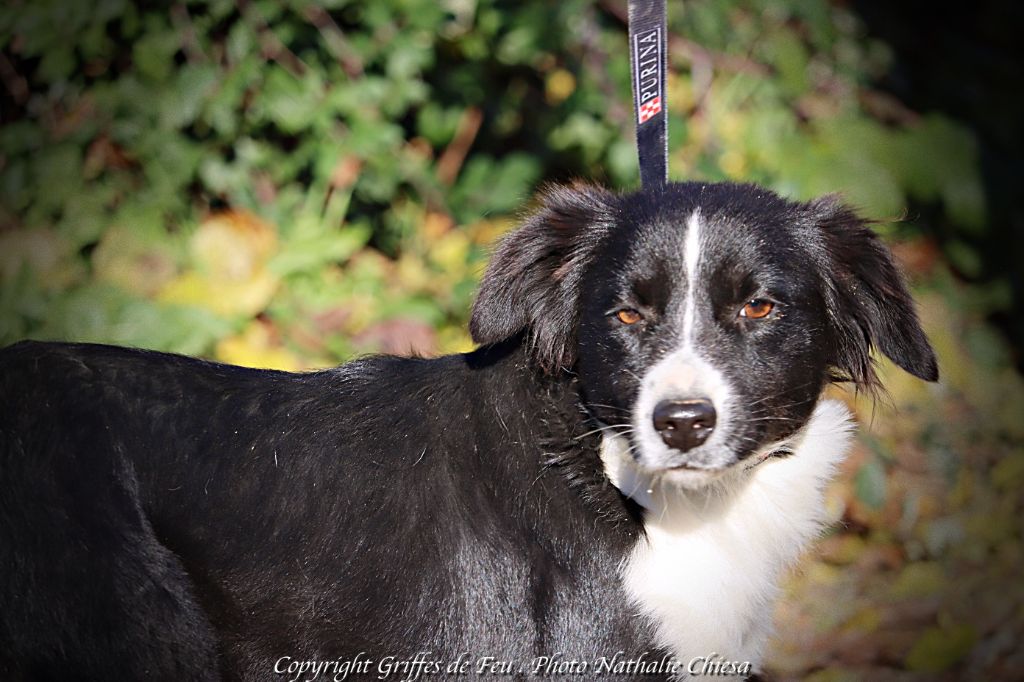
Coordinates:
(703, 320)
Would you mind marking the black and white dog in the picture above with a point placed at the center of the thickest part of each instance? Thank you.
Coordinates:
(617, 475)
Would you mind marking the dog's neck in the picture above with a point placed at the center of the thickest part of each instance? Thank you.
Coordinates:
(653, 493)
(705, 571)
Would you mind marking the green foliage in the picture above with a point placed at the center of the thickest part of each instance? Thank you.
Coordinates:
(870, 483)
(345, 127)
(939, 649)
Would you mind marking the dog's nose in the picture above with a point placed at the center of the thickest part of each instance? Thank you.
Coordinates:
(684, 424)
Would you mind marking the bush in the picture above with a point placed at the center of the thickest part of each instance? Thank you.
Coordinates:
(289, 183)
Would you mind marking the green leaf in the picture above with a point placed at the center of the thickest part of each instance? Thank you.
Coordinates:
(920, 579)
(181, 106)
(58, 64)
(788, 54)
(153, 54)
(437, 124)
(870, 483)
(290, 102)
(487, 186)
(939, 649)
(312, 253)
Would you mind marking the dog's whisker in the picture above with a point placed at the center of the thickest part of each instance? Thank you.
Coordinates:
(601, 429)
(609, 407)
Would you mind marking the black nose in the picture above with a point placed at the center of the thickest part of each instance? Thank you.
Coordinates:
(684, 424)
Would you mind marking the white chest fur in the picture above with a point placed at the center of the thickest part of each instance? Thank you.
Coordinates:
(707, 572)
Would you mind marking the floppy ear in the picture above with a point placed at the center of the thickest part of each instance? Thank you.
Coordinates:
(534, 277)
(867, 300)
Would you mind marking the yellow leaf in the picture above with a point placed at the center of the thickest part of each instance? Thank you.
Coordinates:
(412, 274)
(230, 252)
(823, 574)
(451, 252)
(436, 224)
(846, 549)
(835, 502)
(992, 529)
(963, 490)
(733, 163)
(559, 85)
(454, 340)
(681, 97)
(866, 620)
(228, 298)
(1009, 473)
(731, 127)
(123, 259)
(255, 348)
(919, 579)
(487, 232)
(233, 245)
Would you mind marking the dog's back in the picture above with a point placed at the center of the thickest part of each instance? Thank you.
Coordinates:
(88, 591)
(173, 515)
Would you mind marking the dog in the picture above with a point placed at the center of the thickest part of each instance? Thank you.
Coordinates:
(608, 487)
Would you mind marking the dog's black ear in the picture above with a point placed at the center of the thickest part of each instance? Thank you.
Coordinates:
(867, 299)
(533, 281)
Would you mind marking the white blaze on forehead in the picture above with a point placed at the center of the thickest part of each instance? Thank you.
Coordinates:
(691, 261)
(684, 374)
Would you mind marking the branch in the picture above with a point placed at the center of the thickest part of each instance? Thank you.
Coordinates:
(450, 162)
(13, 81)
(334, 37)
(270, 45)
(189, 42)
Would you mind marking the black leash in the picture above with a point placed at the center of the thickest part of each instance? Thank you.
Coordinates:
(648, 58)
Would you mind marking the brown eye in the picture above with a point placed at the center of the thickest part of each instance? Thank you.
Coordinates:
(628, 316)
(757, 308)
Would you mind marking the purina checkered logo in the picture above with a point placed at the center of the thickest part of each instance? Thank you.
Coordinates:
(647, 57)
(652, 108)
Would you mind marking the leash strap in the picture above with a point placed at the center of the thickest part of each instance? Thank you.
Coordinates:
(648, 58)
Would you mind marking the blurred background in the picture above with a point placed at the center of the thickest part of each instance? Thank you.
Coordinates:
(290, 184)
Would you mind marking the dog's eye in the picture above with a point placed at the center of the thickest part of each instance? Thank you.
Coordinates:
(757, 308)
(628, 316)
